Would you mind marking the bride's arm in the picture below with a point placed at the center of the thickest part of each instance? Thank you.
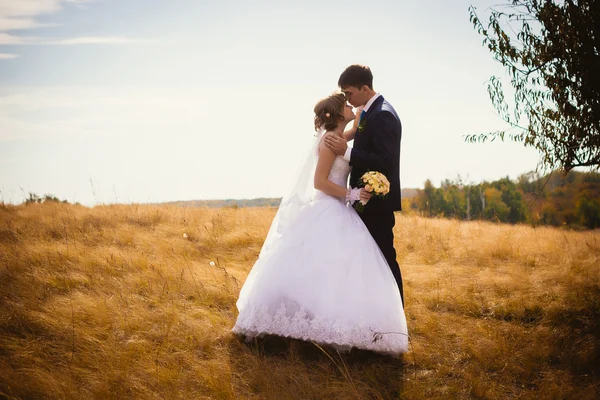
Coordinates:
(349, 134)
(322, 182)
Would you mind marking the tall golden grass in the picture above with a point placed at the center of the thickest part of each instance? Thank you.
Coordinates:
(114, 302)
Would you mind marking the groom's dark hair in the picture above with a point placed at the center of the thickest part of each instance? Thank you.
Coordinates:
(357, 76)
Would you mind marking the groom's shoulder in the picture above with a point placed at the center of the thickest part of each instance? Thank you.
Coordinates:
(385, 106)
(381, 104)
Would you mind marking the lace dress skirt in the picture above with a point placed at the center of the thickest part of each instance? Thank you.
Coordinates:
(325, 280)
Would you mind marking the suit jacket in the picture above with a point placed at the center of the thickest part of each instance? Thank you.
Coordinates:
(377, 148)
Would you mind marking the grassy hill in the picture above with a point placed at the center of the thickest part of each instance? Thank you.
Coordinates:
(116, 302)
(258, 202)
(233, 203)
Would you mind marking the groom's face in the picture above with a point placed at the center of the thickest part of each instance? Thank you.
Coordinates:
(355, 96)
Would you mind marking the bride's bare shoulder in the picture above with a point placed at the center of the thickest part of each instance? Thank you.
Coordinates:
(323, 149)
(332, 133)
(328, 133)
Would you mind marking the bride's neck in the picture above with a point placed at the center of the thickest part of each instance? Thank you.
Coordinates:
(340, 128)
(338, 131)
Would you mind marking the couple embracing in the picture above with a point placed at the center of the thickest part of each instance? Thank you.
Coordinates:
(327, 273)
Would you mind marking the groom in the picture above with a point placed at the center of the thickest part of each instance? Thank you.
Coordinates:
(376, 148)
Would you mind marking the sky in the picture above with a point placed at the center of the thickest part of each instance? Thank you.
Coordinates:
(143, 101)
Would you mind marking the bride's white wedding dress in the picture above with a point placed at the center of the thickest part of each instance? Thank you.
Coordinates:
(324, 280)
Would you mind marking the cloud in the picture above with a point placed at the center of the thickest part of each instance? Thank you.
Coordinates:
(10, 24)
(28, 8)
(11, 10)
(97, 40)
(6, 38)
(21, 14)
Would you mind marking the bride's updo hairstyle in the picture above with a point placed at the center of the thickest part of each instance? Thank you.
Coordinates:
(330, 111)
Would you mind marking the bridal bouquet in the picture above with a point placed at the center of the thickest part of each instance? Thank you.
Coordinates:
(375, 183)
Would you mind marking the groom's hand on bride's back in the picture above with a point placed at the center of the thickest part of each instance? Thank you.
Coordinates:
(335, 143)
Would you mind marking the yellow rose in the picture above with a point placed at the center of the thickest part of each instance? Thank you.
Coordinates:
(368, 188)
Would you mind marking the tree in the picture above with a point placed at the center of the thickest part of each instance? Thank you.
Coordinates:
(495, 209)
(551, 51)
(588, 211)
(428, 197)
(512, 199)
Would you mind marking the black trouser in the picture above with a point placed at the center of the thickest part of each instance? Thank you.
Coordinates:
(380, 220)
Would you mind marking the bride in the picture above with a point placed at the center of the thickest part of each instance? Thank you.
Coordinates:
(320, 276)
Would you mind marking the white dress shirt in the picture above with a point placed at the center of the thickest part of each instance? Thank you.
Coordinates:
(348, 152)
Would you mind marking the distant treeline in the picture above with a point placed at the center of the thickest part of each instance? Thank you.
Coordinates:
(234, 203)
(259, 202)
(553, 199)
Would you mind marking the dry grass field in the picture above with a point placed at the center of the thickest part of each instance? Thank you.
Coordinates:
(113, 302)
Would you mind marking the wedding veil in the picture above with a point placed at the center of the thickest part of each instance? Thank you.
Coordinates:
(300, 196)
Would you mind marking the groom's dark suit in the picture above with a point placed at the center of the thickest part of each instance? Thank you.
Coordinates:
(377, 148)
